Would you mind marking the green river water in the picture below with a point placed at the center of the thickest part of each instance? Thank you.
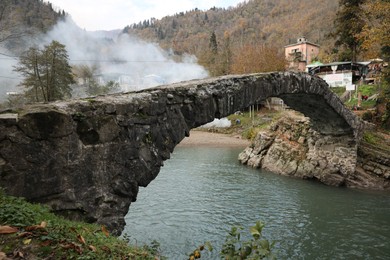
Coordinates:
(202, 191)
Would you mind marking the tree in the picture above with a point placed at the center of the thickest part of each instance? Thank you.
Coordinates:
(10, 28)
(375, 35)
(213, 44)
(209, 57)
(96, 89)
(87, 78)
(253, 58)
(226, 55)
(47, 73)
(86, 74)
(375, 38)
(348, 24)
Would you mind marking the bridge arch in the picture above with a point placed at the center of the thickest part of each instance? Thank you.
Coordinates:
(302, 92)
(88, 157)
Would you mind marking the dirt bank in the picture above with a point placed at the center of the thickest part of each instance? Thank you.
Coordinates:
(202, 138)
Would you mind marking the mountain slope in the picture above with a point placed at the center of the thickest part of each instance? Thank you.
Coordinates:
(19, 18)
(272, 22)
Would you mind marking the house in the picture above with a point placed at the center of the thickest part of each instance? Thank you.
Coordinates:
(338, 74)
(300, 54)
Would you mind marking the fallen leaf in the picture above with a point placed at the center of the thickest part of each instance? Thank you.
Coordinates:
(92, 248)
(25, 234)
(35, 227)
(73, 246)
(105, 231)
(3, 256)
(81, 239)
(43, 224)
(46, 243)
(8, 230)
(67, 246)
(106, 249)
(27, 241)
(78, 249)
(18, 254)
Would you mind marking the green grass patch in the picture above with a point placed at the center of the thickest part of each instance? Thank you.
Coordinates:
(248, 126)
(378, 139)
(338, 90)
(366, 104)
(371, 138)
(32, 230)
(368, 90)
(365, 90)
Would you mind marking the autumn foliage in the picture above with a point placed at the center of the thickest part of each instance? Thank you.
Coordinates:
(253, 58)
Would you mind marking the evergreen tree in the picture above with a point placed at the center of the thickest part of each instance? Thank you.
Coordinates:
(213, 43)
(348, 24)
(226, 59)
(47, 73)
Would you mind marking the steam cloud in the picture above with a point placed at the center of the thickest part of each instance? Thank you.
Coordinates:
(218, 123)
(8, 78)
(120, 57)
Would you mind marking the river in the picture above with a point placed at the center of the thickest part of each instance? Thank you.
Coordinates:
(202, 191)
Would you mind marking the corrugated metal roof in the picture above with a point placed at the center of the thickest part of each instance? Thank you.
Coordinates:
(364, 63)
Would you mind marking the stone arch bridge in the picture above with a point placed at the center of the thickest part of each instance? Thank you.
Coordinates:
(87, 158)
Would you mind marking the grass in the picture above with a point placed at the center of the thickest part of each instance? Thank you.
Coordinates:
(365, 90)
(248, 127)
(338, 90)
(378, 139)
(31, 231)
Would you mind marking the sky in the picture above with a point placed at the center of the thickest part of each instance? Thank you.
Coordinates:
(93, 15)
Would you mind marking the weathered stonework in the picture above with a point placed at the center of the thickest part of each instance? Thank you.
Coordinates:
(86, 158)
(291, 147)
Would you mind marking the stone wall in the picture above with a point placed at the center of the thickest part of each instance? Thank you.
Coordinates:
(86, 158)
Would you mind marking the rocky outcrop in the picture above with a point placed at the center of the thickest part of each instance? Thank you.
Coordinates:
(86, 158)
(373, 168)
(290, 146)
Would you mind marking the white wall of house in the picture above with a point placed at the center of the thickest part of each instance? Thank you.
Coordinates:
(337, 79)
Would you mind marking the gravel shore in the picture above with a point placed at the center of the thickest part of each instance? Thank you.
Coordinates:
(202, 138)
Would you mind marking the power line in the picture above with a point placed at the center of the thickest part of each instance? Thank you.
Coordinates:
(125, 61)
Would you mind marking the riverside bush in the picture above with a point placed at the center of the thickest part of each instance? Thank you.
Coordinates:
(236, 249)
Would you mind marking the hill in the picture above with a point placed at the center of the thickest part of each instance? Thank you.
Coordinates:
(21, 18)
(273, 23)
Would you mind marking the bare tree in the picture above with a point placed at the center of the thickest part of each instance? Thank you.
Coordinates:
(9, 24)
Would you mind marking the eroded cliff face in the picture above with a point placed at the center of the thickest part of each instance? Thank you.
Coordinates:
(290, 146)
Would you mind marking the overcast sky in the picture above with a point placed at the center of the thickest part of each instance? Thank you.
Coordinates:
(116, 14)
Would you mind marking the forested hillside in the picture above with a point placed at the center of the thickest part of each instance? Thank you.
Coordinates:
(267, 23)
(20, 18)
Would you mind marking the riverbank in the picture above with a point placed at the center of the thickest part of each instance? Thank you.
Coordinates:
(31, 231)
(210, 139)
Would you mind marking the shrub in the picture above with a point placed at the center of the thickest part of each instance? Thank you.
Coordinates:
(234, 248)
